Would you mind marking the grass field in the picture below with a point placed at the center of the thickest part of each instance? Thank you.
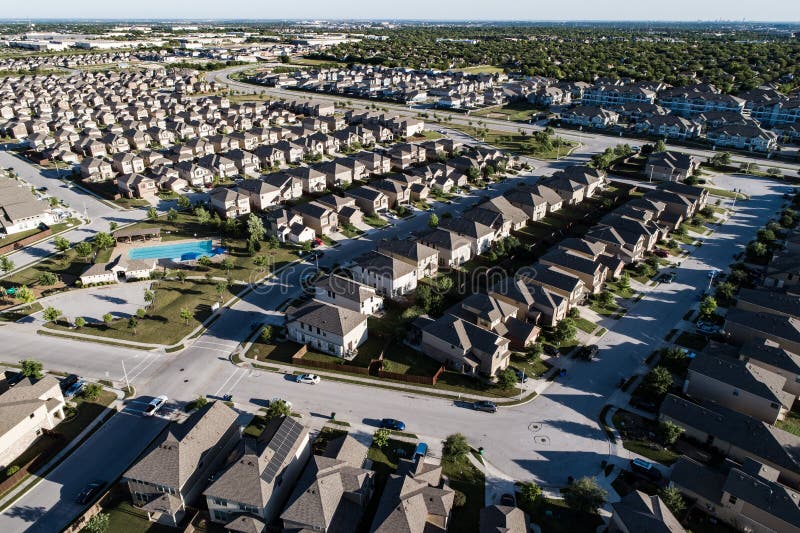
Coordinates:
(791, 423)
(162, 324)
(517, 112)
(467, 479)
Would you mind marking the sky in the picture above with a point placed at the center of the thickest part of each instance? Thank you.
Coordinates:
(671, 10)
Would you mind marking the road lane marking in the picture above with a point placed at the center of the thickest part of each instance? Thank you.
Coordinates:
(226, 381)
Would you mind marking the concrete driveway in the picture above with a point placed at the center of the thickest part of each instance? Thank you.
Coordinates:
(121, 300)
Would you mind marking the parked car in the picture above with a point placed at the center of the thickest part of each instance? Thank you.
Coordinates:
(90, 492)
(309, 379)
(391, 423)
(667, 277)
(588, 352)
(521, 375)
(75, 388)
(154, 405)
(485, 405)
(706, 328)
(645, 468)
(68, 382)
(508, 499)
(551, 350)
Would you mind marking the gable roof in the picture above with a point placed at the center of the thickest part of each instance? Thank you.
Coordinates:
(327, 317)
(642, 512)
(743, 375)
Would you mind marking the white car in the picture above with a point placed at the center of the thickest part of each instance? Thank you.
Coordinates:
(311, 379)
(154, 405)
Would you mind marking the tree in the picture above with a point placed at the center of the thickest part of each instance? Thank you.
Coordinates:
(51, 314)
(103, 240)
(181, 275)
(202, 214)
(585, 495)
(6, 264)
(140, 313)
(708, 306)
(725, 291)
(756, 249)
(186, 315)
(204, 260)
(455, 447)
(261, 262)
(91, 391)
(46, 279)
(673, 358)
(25, 295)
(506, 379)
(721, 159)
(766, 236)
(564, 331)
(381, 438)
(172, 215)
(108, 318)
(221, 287)
(657, 382)
(30, 368)
(660, 146)
(152, 213)
(184, 202)
(673, 498)
(433, 221)
(278, 408)
(625, 281)
(605, 298)
(112, 226)
(200, 402)
(669, 432)
(255, 228)
(529, 493)
(266, 333)
(149, 296)
(61, 244)
(80, 322)
(227, 264)
(83, 249)
(132, 323)
(98, 523)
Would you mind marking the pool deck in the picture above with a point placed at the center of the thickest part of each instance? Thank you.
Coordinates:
(122, 249)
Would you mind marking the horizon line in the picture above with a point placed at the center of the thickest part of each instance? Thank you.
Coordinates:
(23, 20)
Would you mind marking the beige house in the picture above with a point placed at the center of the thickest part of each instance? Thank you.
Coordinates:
(348, 293)
(424, 258)
(262, 195)
(137, 186)
(328, 328)
(740, 386)
(464, 346)
(319, 217)
(769, 356)
(388, 275)
(27, 410)
(229, 203)
(453, 249)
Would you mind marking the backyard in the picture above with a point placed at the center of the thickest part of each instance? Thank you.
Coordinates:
(465, 478)
(638, 436)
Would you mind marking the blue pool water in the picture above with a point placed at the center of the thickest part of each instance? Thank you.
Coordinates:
(184, 251)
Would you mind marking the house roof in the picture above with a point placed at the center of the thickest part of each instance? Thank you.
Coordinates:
(669, 159)
(642, 512)
(251, 478)
(773, 301)
(768, 352)
(698, 478)
(346, 288)
(466, 227)
(178, 452)
(569, 261)
(746, 433)
(766, 495)
(503, 519)
(783, 327)
(442, 238)
(413, 250)
(583, 246)
(327, 317)
(406, 504)
(21, 400)
(384, 265)
(246, 524)
(743, 375)
(547, 275)
(465, 335)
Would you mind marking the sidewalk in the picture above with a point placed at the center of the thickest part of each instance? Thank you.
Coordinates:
(33, 479)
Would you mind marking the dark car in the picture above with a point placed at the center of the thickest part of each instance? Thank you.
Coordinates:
(549, 349)
(90, 491)
(391, 423)
(645, 468)
(508, 500)
(521, 375)
(588, 352)
(485, 405)
(667, 277)
(68, 382)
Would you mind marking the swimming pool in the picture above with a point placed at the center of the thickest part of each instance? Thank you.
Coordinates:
(182, 251)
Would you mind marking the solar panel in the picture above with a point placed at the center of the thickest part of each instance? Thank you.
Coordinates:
(281, 444)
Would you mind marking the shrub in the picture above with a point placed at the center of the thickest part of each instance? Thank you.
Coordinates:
(11, 470)
(455, 447)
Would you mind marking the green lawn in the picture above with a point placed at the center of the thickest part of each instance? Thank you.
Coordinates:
(162, 324)
(519, 112)
(585, 325)
(16, 237)
(375, 221)
(67, 265)
(611, 310)
(646, 449)
(464, 477)
(125, 518)
(534, 367)
(791, 423)
(725, 193)
(13, 316)
(483, 69)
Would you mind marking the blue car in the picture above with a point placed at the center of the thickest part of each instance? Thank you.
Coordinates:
(391, 423)
(75, 389)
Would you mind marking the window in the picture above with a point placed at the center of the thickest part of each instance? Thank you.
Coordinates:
(733, 499)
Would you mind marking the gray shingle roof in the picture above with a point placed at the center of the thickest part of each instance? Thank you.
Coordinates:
(743, 375)
(641, 512)
(327, 317)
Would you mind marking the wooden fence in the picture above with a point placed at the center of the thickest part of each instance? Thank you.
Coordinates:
(30, 239)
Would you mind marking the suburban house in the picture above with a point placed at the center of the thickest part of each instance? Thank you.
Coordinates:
(532, 204)
(258, 481)
(345, 208)
(389, 275)
(20, 210)
(96, 169)
(571, 287)
(782, 271)
(479, 236)
(748, 497)
(319, 217)
(333, 491)
(127, 163)
(736, 435)
(415, 500)
(638, 512)
(329, 328)
(534, 302)
(768, 301)
(137, 186)
(27, 410)
(370, 200)
(671, 166)
(453, 249)
(313, 180)
(592, 273)
(174, 471)
(261, 194)
(590, 116)
(769, 356)
(229, 203)
(288, 227)
(465, 347)
(629, 248)
(738, 385)
(348, 293)
(499, 316)
(743, 326)
(424, 258)
(194, 174)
